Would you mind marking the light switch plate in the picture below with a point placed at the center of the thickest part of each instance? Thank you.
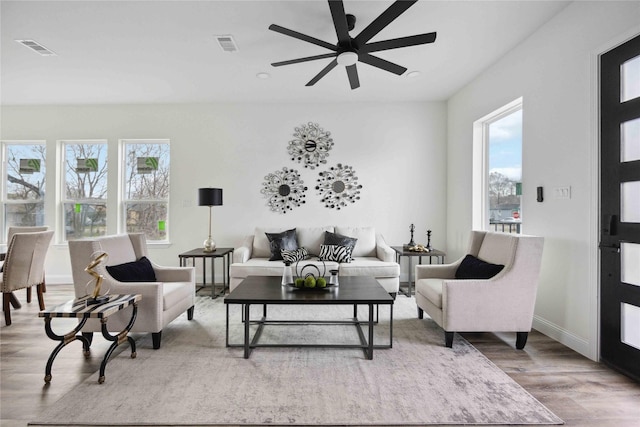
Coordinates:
(562, 192)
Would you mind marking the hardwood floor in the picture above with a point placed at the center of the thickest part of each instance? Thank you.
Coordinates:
(578, 390)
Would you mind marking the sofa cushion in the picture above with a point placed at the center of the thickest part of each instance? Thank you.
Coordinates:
(312, 237)
(336, 253)
(278, 241)
(370, 266)
(340, 240)
(119, 248)
(498, 248)
(431, 289)
(261, 247)
(366, 237)
(175, 292)
(474, 268)
(135, 271)
(294, 256)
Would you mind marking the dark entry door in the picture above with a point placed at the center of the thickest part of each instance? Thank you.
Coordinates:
(620, 208)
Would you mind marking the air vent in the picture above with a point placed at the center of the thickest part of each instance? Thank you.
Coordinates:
(36, 47)
(227, 43)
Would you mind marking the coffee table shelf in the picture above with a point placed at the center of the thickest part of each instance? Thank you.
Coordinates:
(354, 291)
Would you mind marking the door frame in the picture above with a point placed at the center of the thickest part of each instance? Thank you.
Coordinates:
(594, 211)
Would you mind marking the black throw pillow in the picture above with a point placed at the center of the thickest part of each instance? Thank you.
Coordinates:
(278, 241)
(335, 239)
(134, 271)
(474, 268)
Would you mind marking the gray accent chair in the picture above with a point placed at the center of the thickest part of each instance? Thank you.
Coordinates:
(162, 301)
(503, 303)
(24, 267)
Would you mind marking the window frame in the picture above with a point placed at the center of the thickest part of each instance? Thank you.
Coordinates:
(61, 196)
(123, 201)
(4, 200)
(480, 169)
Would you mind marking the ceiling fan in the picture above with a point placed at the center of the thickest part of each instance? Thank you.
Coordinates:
(350, 50)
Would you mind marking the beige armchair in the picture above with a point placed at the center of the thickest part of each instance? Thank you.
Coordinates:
(168, 297)
(26, 229)
(502, 303)
(24, 267)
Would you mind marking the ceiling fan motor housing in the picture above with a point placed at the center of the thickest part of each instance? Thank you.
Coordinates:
(350, 50)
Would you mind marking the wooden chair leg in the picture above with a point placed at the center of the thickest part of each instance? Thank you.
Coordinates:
(448, 339)
(40, 292)
(156, 337)
(28, 294)
(14, 301)
(6, 306)
(521, 339)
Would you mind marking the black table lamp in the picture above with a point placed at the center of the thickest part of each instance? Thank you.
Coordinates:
(209, 197)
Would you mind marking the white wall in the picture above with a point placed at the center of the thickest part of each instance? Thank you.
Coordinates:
(554, 71)
(398, 152)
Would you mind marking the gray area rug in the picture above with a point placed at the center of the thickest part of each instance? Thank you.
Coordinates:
(195, 380)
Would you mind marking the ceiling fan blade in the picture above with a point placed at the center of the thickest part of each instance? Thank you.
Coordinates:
(399, 42)
(305, 59)
(378, 24)
(322, 73)
(303, 37)
(340, 21)
(381, 63)
(352, 72)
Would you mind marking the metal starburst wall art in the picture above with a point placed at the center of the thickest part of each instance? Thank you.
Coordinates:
(284, 190)
(338, 187)
(310, 146)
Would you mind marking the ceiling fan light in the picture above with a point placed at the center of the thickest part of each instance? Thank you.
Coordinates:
(347, 58)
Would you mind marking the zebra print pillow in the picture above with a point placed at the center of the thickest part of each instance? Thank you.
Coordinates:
(295, 255)
(337, 253)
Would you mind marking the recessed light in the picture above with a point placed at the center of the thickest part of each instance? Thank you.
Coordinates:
(263, 75)
(413, 74)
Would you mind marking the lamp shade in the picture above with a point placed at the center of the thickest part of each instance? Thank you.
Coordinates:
(209, 196)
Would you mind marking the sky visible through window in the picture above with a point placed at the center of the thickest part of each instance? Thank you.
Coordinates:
(505, 146)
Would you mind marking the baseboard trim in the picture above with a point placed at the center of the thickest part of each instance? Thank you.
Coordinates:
(563, 336)
(61, 279)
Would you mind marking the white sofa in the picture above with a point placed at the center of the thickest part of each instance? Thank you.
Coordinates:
(371, 255)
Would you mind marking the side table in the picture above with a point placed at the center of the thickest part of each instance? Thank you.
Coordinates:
(224, 253)
(400, 252)
(77, 308)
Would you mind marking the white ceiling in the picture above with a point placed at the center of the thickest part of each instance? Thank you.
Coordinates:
(165, 52)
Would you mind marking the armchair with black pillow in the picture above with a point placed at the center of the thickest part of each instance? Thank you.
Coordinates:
(167, 292)
(491, 289)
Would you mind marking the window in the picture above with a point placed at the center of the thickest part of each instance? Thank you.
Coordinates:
(23, 183)
(84, 189)
(146, 187)
(498, 170)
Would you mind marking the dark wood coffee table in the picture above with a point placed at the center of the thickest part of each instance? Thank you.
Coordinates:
(268, 290)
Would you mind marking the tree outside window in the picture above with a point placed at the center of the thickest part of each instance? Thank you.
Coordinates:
(23, 200)
(85, 189)
(146, 187)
